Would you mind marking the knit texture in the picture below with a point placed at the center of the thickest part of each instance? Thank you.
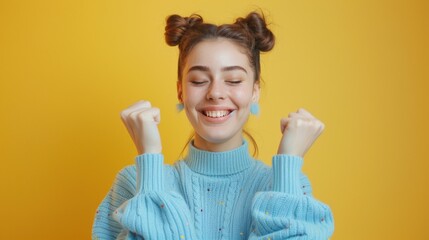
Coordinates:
(212, 195)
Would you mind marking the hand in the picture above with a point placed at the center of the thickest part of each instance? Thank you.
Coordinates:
(300, 129)
(141, 121)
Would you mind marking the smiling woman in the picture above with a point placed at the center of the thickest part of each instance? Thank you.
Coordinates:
(217, 92)
(218, 191)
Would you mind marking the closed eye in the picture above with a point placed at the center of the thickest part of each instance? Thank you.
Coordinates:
(234, 82)
(198, 82)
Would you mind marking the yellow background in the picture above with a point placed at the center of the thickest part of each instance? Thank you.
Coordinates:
(68, 68)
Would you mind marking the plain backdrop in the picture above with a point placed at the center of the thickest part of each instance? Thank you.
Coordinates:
(67, 69)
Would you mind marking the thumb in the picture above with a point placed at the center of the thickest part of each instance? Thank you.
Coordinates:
(154, 114)
(283, 124)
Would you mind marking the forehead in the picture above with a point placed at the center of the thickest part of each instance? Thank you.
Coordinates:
(217, 53)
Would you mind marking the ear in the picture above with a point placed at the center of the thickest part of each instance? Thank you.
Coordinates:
(179, 91)
(256, 92)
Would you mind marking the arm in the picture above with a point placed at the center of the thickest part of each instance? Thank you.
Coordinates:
(104, 226)
(286, 212)
(138, 206)
(154, 213)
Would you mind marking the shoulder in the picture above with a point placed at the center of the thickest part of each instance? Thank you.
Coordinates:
(259, 175)
(263, 167)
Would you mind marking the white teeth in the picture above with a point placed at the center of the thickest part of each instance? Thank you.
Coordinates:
(216, 114)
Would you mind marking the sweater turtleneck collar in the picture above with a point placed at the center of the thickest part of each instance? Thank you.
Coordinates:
(218, 163)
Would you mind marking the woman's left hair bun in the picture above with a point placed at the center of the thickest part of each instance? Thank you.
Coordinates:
(256, 24)
(177, 26)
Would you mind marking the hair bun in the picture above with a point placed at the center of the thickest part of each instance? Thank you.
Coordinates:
(177, 26)
(255, 23)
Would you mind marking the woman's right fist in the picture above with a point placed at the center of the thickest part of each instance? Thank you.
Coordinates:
(141, 121)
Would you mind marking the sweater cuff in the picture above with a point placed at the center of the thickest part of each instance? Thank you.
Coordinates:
(149, 168)
(287, 170)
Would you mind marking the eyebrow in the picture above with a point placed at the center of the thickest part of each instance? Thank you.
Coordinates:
(224, 69)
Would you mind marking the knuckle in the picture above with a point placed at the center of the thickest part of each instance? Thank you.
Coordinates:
(319, 123)
(141, 116)
(123, 114)
(133, 115)
(143, 103)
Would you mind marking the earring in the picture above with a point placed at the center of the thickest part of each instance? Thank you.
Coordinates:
(179, 107)
(254, 108)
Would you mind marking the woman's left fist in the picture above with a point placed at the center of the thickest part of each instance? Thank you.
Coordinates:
(300, 129)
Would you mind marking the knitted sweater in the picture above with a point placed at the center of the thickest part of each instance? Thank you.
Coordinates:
(212, 195)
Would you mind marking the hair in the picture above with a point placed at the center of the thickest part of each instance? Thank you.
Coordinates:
(250, 33)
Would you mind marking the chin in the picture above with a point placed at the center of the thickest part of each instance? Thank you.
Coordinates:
(218, 136)
(216, 140)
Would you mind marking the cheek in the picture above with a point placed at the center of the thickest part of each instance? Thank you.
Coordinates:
(191, 96)
(243, 97)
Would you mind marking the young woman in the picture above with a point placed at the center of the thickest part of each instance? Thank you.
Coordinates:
(218, 191)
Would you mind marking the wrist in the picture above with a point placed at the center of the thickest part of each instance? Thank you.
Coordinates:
(285, 151)
(150, 175)
(150, 150)
(286, 172)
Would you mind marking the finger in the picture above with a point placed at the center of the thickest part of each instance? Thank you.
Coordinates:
(149, 114)
(155, 113)
(321, 127)
(127, 126)
(305, 113)
(294, 114)
(283, 124)
(142, 104)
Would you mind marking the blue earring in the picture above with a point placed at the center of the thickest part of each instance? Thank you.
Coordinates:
(180, 107)
(254, 108)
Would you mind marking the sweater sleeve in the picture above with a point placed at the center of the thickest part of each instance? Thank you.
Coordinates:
(290, 211)
(104, 226)
(153, 213)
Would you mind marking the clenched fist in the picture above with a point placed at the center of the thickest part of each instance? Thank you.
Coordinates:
(141, 121)
(300, 129)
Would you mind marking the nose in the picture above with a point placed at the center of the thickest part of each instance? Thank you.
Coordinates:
(216, 91)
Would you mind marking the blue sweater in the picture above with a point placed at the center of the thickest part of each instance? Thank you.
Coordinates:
(212, 195)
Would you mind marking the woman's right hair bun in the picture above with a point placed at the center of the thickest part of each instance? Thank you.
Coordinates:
(177, 26)
(255, 22)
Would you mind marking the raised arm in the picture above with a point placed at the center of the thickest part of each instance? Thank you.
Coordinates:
(289, 211)
(152, 212)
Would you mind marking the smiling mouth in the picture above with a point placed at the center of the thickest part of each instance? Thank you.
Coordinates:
(216, 114)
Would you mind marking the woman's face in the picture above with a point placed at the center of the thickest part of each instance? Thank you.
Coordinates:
(217, 90)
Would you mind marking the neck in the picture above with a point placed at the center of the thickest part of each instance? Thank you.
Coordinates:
(205, 145)
(218, 163)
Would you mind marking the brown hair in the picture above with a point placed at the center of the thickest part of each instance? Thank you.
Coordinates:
(251, 33)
